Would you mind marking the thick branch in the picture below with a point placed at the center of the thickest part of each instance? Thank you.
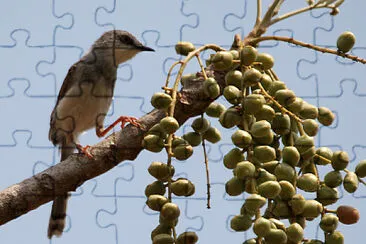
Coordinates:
(66, 176)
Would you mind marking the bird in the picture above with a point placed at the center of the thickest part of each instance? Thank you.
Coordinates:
(83, 102)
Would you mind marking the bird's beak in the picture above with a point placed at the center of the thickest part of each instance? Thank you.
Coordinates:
(144, 48)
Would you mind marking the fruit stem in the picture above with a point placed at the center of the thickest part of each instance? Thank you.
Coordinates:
(201, 66)
(259, 12)
(207, 174)
(170, 72)
(255, 41)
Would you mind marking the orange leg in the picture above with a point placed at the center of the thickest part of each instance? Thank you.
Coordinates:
(84, 150)
(123, 120)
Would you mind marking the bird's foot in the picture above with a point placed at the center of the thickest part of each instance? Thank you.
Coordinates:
(84, 150)
(123, 120)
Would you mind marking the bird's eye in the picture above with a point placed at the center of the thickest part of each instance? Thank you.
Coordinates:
(126, 40)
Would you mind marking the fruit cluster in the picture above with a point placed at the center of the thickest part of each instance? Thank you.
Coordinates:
(273, 159)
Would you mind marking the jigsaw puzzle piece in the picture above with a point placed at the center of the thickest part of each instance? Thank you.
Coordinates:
(347, 105)
(84, 29)
(23, 112)
(22, 58)
(32, 16)
(128, 15)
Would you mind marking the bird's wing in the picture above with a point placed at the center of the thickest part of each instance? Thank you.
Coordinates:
(69, 81)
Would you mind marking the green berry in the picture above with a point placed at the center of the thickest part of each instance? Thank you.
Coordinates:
(285, 97)
(211, 88)
(232, 94)
(170, 211)
(308, 182)
(290, 155)
(215, 109)
(244, 169)
(329, 223)
(241, 222)
(340, 160)
(248, 55)
(350, 182)
(161, 100)
(161, 171)
(212, 135)
(234, 186)
(361, 169)
(325, 116)
(346, 41)
(287, 190)
(311, 127)
(253, 103)
(261, 226)
(281, 124)
(156, 202)
(241, 138)
(326, 156)
(266, 60)
(193, 138)
(232, 158)
(295, 233)
(155, 188)
(297, 204)
(188, 237)
(234, 78)
(285, 172)
(222, 60)
(183, 48)
(169, 124)
(230, 118)
(276, 236)
(269, 189)
(163, 239)
(326, 195)
(335, 237)
(265, 113)
(153, 143)
(251, 77)
(312, 209)
(182, 187)
(333, 179)
(182, 152)
(200, 125)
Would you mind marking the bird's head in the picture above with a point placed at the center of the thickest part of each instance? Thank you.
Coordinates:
(124, 44)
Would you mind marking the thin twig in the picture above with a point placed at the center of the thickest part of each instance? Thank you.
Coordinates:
(259, 12)
(207, 174)
(255, 41)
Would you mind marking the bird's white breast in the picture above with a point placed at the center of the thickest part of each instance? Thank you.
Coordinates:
(84, 106)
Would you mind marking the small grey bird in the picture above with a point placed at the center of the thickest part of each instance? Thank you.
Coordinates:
(84, 101)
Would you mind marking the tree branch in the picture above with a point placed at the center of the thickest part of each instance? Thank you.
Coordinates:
(255, 41)
(66, 176)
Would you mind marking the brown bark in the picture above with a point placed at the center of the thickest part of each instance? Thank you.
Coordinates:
(125, 144)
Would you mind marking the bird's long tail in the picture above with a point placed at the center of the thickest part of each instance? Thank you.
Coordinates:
(56, 223)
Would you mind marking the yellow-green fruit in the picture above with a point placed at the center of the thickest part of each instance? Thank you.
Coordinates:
(241, 222)
(183, 152)
(295, 232)
(179, 141)
(233, 157)
(290, 155)
(361, 169)
(261, 226)
(182, 187)
(298, 219)
(326, 156)
(161, 229)
(200, 125)
(168, 222)
(157, 130)
(308, 182)
(234, 78)
(232, 94)
(183, 48)
(155, 188)
(340, 160)
(266, 59)
(311, 127)
(169, 124)
(313, 241)
(235, 186)
(156, 202)
(215, 109)
(161, 171)
(333, 179)
(266, 81)
(253, 103)
(269, 189)
(329, 222)
(163, 239)
(285, 172)
(212, 135)
(222, 60)
(253, 203)
(262, 154)
(250, 241)
(265, 113)
(348, 215)
(334, 238)
(285, 97)
(260, 129)
(244, 170)
(170, 211)
(312, 209)
(276, 86)
(276, 236)
(287, 190)
(250, 185)
(241, 139)
(277, 224)
(325, 116)
(296, 105)
(153, 143)
(281, 124)
(193, 138)
(305, 145)
(350, 182)
(271, 166)
(235, 54)
(297, 204)
(263, 176)
(211, 88)
(326, 195)
(308, 111)
(229, 118)
(346, 41)
(248, 55)
(188, 237)
(161, 100)
(251, 77)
